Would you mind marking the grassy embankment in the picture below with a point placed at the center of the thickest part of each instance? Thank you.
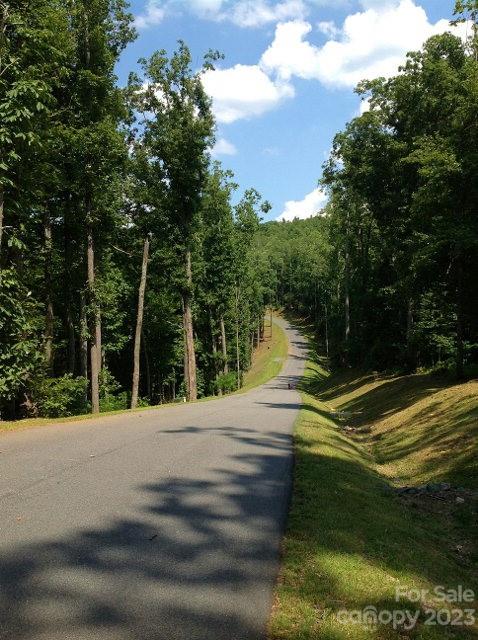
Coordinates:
(268, 358)
(267, 363)
(351, 539)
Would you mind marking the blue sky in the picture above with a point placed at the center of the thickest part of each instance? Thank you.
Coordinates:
(286, 84)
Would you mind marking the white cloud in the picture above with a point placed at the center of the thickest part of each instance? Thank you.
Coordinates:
(206, 8)
(378, 4)
(256, 13)
(154, 13)
(328, 28)
(243, 91)
(289, 54)
(244, 13)
(223, 147)
(371, 43)
(310, 206)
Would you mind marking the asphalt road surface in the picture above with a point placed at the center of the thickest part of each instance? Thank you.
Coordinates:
(163, 524)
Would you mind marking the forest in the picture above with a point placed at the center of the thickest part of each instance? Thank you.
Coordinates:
(132, 272)
(388, 273)
(127, 276)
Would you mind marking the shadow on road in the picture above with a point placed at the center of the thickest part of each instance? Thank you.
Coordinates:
(155, 576)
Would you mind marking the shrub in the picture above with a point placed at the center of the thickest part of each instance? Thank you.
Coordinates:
(227, 382)
(117, 402)
(61, 397)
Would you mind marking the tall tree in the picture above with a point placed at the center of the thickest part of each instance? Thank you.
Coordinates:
(178, 136)
(139, 325)
(218, 253)
(102, 30)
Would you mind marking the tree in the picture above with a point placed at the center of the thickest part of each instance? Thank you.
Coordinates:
(248, 298)
(218, 237)
(139, 325)
(101, 31)
(178, 136)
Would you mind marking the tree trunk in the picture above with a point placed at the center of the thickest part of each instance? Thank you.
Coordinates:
(99, 348)
(410, 354)
(214, 351)
(347, 301)
(225, 368)
(94, 358)
(459, 321)
(1, 220)
(148, 368)
(186, 359)
(70, 325)
(83, 339)
(238, 355)
(49, 316)
(346, 355)
(68, 260)
(238, 361)
(326, 331)
(139, 325)
(190, 353)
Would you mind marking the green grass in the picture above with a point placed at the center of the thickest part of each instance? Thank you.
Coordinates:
(15, 425)
(267, 363)
(350, 540)
(268, 359)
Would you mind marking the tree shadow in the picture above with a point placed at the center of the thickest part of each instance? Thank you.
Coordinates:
(269, 439)
(197, 558)
(197, 561)
(347, 527)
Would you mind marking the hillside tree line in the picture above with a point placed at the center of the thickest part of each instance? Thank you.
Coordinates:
(388, 272)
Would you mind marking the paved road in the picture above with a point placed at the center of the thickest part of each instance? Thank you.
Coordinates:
(160, 525)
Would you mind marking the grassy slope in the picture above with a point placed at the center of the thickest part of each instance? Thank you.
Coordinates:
(268, 358)
(267, 363)
(350, 540)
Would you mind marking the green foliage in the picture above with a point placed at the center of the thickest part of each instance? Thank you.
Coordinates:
(61, 397)
(226, 382)
(387, 273)
(20, 357)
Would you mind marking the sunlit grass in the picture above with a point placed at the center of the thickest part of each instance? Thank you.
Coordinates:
(350, 540)
(268, 359)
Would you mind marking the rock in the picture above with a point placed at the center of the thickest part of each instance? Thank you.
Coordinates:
(459, 500)
(444, 486)
(433, 487)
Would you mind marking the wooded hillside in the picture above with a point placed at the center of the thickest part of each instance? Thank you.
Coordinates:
(389, 271)
(126, 274)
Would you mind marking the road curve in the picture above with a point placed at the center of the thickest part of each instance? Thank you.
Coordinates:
(163, 524)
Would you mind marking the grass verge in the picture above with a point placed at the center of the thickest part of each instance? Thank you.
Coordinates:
(268, 358)
(267, 363)
(351, 540)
